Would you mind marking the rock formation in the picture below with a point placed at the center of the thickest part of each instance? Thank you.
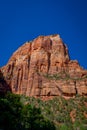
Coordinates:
(4, 87)
(42, 68)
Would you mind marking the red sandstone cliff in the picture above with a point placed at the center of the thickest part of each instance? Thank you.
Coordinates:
(42, 68)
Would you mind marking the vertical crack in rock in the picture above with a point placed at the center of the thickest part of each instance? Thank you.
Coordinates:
(75, 87)
(31, 85)
(16, 87)
(49, 56)
(21, 78)
(29, 58)
(39, 84)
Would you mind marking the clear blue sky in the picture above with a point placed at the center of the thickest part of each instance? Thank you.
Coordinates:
(24, 20)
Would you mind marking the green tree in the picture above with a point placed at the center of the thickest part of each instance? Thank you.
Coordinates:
(15, 115)
(33, 119)
(10, 112)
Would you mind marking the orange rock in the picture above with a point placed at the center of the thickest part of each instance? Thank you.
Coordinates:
(73, 115)
(42, 68)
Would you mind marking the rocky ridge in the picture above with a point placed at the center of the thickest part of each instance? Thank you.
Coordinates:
(42, 68)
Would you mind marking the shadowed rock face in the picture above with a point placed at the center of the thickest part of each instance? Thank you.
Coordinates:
(42, 68)
(4, 87)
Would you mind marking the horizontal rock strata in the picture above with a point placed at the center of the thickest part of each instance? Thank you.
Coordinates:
(42, 68)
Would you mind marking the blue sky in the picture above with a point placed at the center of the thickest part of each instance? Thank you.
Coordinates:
(24, 20)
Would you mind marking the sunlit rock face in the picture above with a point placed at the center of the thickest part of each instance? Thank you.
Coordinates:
(42, 68)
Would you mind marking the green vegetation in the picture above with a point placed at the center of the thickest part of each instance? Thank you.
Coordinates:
(63, 76)
(28, 113)
(15, 115)
(65, 114)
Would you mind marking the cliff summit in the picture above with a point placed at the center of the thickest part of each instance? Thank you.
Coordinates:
(43, 68)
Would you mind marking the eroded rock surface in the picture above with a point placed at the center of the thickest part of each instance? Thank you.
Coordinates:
(42, 68)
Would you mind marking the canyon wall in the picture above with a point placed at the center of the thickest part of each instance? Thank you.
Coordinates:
(43, 68)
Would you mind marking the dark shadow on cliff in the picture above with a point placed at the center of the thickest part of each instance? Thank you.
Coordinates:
(4, 87)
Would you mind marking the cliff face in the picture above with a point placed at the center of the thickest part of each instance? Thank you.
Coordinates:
(4, 87)
(42, 68)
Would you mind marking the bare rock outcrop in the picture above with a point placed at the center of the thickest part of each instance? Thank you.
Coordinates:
(42, 68)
